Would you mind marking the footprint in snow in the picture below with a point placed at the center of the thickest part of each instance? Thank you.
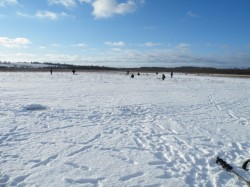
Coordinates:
(17, 181)
(131, 176)
(84, 181)
(45, 162)
(34, 107)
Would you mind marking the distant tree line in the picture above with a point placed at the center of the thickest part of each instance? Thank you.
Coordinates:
(192, 70)
(65, 67)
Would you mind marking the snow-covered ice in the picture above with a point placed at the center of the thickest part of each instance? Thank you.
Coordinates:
(106, 129)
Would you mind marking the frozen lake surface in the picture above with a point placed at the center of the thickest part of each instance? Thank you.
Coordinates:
(106, 129)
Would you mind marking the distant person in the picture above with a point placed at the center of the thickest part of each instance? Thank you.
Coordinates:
(171, 74)
(73, 71)
(127, 72)
(138, 73)
(163, 77)
(156, 73)
(132, 76)
(51, 71)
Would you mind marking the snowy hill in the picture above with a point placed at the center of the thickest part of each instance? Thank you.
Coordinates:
(106, 129)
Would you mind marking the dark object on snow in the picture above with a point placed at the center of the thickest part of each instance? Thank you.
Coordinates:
(73, 71)
(51, 71)
(127, 72)
(156, 73)
(247, 163)
(138, 73)
(224, 164)
(163, 76)
(132, 76)
(171, 74)
(229, 168)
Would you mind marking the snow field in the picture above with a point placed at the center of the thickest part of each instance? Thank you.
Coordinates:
(106, 129)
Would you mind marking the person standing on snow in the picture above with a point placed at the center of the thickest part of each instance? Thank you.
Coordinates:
(171, 74)
(163, 77)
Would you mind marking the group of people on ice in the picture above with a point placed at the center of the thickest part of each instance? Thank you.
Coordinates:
(163, 75)
(132, 75)
(171, 74)
(73, 71)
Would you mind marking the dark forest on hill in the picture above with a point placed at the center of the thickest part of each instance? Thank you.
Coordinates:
(37, 66)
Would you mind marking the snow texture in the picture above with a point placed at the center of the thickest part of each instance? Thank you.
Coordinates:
(106, 129)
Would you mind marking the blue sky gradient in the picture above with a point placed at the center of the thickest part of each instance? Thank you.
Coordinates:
(127, 33)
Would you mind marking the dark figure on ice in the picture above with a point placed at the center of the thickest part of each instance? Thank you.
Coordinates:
(51, 71)
(156, 73)
(73, 71)
(127, 72)
(138, 73)
(132, 76)
(171, 74)
(163, 76)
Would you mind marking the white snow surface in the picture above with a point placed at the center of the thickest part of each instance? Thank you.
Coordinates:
(106, 129)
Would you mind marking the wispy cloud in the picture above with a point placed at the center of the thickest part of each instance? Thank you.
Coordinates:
(192, 14)
(122, 57)
(23, 14)
(115, 44)
(189, 15)
(58, 57)
(151, 44)
(86, 1)
(50, 15)
(14, 43)
(218, 46)
(45, 15)
(79, 45)
(42, 47)
(4, 3)
(183, 46)
(66, 3)
(149, 27)
(55, 45)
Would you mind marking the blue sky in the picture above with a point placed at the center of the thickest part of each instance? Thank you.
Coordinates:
(127, 33)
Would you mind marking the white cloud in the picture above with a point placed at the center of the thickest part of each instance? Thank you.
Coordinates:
(66, 3)
(50, 15)
(102, 8)
(4, 3)
(115, 44)
(107, 8)
(14, 43)
(151, 44)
